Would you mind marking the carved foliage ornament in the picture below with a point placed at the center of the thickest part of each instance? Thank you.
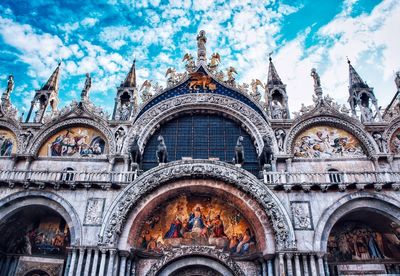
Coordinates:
(213, 169)
(176, 253)
(149, 120)
(331, 121)
(47, 133)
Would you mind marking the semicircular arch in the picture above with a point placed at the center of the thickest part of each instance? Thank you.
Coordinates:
(145, 125)
(15, 202)
(115, 218)
(16, 132)
(365, 139)
(392, 130)
(380, 203)
(46, 133)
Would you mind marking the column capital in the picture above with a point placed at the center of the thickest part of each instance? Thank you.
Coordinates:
(124, 253)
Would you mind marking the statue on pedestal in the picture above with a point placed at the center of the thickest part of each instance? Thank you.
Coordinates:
(239, 152)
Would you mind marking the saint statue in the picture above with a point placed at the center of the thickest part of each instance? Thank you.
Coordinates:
(88, 85)
(397, 80)
(201, 45)
(10, 85)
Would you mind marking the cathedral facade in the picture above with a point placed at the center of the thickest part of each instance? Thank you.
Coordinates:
(206, 176)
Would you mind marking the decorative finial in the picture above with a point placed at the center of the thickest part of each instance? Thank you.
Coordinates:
(201, 46)
(270, 56)
(348, 60)
(86, 89)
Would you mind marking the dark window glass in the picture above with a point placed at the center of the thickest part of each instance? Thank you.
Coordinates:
(201, 136)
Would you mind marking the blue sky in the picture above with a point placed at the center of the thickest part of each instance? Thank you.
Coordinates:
(103, 37)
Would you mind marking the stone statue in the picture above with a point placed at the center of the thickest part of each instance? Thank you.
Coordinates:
(26, 137)
(10, 86)
(161, 153)
(172, 77)
(134, 151)
(367, 114)
(231, 71)
(317, 83)
(276, 110)
(201, 45)
(267, 154)
(397, 80)
(214, 62)
(190, 64)
(315, 76)
(239, 152)
(280, 138)
(119, 139)
(88, 85)
(124, 112)
(255, 94)
(146, 94)
(380, 141)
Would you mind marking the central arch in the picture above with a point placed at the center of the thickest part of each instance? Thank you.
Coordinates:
(116, 217)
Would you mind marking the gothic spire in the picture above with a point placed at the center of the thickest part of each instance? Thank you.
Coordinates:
(52, 83)
(273, 77)
(130, 80)
(355, 81)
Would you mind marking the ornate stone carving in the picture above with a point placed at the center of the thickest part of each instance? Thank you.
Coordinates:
(177, 253)
(328, 120)
(302, 218)
(49, 131)
(153, 178)
(94, 211)
(145, 124)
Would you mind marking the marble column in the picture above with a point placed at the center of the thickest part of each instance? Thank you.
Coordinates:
(110, 268)
(263, 268)
(87, 263)
(122, 263)
(80, 261)
(133, 268)
(68, 262)
(73, 261)
(305, 265)
(128, 267)
(281, 264)
(297, 264)
(289, 264)
(313, 266)
(321, 264)
(327, 273)
(95, 262)
(102, 261)
(270, 268)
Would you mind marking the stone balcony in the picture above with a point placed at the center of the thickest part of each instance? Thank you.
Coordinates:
(287, 181)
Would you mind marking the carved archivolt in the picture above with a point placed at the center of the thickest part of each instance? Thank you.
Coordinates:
(116, 217)
(297, 129)
(253, 121)
(48, 132)
(177, 253)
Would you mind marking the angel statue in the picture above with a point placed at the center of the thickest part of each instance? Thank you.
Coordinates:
(190, 65)
(231, 76)
(171, 76)
(146, 94)
(255, 94)
(215, 61)
(201, 45)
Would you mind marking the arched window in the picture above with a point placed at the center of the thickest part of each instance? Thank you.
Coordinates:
(335, 176)
(68, 174)
(201, 136)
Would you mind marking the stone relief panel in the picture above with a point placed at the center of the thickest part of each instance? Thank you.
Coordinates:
(8, 142)
(203, 220)
(94, 211)
(302, 217)
(327, 142)
(75, 142)
(394, 144)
